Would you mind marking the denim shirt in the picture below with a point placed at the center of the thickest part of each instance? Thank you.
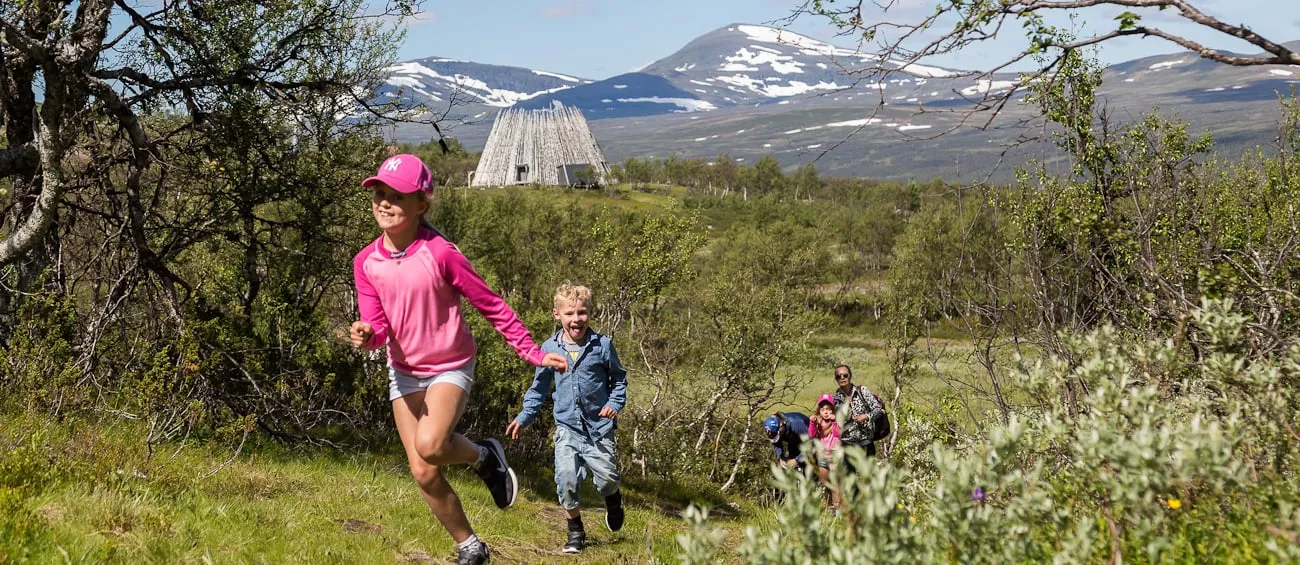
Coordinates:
(595, 381)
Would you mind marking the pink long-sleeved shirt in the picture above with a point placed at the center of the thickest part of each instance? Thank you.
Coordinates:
(830, 438)
(413, 304)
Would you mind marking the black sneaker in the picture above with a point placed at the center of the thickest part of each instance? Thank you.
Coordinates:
(497, 475)
(577, 541)
(476, 554)
(614, 511)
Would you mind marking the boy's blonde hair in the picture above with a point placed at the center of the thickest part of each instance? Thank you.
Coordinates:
(576, 294)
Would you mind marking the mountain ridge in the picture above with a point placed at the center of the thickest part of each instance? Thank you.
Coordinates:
(751, 90)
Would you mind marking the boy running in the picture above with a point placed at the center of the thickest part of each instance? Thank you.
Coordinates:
(588, 397)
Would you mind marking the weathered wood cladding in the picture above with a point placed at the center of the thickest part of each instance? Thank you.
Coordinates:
(533, 146)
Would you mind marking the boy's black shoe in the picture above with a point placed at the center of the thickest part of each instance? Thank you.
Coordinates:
(614, 511)
(497, 475)
(577, 541)
(476, 554)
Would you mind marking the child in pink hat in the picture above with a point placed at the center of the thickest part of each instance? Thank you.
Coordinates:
(825, 433)
(410, 282)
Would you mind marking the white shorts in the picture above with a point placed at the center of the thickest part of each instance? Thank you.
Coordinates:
(401, 383)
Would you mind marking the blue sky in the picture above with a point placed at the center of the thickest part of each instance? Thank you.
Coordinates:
(598, 39)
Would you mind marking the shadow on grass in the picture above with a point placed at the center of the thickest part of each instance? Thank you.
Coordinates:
(668, 498)
(671, 498)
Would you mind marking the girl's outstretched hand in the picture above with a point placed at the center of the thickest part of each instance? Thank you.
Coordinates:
(360, 333)
(555, 361)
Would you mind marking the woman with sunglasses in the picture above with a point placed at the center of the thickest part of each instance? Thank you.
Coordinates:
(861, 409)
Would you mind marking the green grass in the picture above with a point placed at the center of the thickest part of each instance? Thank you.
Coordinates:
(944, 367)
(105, 500)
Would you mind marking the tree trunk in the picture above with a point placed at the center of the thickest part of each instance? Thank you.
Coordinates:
(741, 453)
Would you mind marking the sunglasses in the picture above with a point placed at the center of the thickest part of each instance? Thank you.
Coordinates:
(841, 375)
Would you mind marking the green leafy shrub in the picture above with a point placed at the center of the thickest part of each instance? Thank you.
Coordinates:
(1166, 452)
(37, 365)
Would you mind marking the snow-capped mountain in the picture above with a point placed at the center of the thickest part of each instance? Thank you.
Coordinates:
(1196, 79)
(437, 82)
(753, 90)
(747, 65)
(742, 63)
(737, 65)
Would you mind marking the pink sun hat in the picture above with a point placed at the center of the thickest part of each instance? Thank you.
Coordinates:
(404, 172)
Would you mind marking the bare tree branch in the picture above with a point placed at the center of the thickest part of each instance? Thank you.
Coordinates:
(891, 45)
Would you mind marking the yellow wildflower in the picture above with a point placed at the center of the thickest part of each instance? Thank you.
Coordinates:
(1175, 504)
(912, 518)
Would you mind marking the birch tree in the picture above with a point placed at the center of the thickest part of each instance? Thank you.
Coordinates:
(87, 81)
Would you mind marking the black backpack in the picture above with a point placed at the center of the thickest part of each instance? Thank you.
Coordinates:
(879, 420)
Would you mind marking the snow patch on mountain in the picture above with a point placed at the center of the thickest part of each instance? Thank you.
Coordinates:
(811, 46)
(792, 88)
(687, 104)
(797, 87)
(854, 123)
(746, 60)
(406, 81)
(409, 75)
(985, 85)
(557, 75)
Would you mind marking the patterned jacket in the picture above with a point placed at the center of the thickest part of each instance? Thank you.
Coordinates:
(862, 402)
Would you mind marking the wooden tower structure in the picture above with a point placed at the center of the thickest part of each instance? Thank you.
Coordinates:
(550, 146)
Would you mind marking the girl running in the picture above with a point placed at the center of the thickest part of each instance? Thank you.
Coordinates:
(409, 285)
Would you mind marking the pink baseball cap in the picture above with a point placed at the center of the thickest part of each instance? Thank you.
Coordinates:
(404, 172)
(827, 398)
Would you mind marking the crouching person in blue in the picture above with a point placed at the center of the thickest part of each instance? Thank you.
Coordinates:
(787, 431)
(588, 398)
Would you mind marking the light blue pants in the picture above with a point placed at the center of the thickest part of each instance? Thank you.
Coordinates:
(575, 454)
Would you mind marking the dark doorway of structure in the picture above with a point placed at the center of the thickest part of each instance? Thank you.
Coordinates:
(521, 173)
(578, 175)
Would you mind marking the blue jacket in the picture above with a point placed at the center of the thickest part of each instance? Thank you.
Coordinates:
(793, 433)
(596, 380)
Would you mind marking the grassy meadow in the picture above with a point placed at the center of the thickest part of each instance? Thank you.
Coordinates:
(96, 495)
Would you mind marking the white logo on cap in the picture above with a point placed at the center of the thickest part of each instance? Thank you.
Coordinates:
(392, 164)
